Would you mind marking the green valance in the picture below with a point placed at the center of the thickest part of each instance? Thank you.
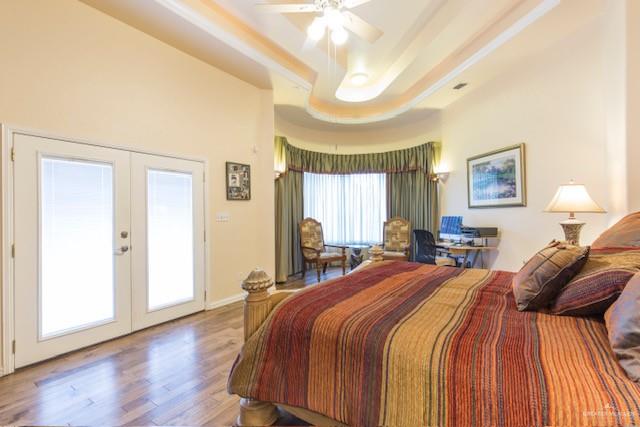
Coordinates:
(412, 159)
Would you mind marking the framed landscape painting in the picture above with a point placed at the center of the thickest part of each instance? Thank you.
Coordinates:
(238, 181)
(497, 179)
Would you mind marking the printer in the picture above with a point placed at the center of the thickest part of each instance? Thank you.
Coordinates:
(470, 234)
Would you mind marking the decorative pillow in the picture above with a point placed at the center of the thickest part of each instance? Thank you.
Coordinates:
(599, 283)
(623, 234)
(539, 281)
(623, 325)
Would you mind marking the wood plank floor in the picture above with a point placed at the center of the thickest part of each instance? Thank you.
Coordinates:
(170, 374)
(311, 278)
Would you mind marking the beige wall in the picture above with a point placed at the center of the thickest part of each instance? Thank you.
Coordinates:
(622, 66)
(615, 73)
(633, 102)
(71, 70)
(356, 141)
(555, 103)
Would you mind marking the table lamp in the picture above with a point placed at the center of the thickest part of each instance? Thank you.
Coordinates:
(571, 198)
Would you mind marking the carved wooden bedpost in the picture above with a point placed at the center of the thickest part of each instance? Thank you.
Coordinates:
(257, 303)
(257, 306)
(375, 253)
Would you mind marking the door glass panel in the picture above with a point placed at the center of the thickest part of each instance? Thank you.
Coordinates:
(76, 248)
(169, 238)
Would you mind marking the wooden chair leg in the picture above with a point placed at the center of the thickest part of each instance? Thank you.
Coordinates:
(318, 269)
(344, 266)
(324, 268)
(304, 268)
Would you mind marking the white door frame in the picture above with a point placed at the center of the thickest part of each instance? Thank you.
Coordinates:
(7, 133)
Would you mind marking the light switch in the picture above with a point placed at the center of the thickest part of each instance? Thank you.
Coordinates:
(222, 217)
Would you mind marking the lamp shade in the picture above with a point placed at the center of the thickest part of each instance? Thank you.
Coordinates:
(573, 198)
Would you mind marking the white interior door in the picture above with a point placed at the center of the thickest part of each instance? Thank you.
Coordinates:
(167, 238)
(72, 265)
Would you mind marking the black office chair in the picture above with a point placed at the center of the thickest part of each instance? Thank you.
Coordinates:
(426, 251)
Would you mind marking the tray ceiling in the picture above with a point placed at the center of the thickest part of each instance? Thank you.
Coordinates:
(426, 48)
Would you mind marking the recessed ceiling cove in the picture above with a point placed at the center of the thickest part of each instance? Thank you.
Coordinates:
(346, 61)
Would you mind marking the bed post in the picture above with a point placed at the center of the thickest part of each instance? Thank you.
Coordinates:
(376, 253)
(257, 305)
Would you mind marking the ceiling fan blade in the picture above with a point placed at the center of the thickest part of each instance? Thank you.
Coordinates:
(287, 8)
(350, 4)
(361, 28)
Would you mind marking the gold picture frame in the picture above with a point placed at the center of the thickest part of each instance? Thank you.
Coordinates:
(497, 179)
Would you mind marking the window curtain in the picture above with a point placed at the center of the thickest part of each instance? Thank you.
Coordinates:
(351, 208)
(410, 159)
(289, 213)
(411, 194)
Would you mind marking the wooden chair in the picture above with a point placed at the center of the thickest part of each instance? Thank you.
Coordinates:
(397, 239)
(314, 248)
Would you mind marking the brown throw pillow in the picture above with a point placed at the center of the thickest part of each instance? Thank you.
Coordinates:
(623, 325)
(539, 281)
(599, 283)
(625, 233)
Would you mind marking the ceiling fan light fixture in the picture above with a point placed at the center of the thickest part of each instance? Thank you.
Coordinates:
(339, 36)
(334, 18)
(316, 30)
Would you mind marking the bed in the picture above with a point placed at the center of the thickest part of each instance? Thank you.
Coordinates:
(400, 343)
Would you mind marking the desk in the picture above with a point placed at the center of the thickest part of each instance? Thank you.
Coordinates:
(466, 250)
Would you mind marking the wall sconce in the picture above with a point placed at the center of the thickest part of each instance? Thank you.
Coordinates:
(279, 170)
(439, 177)
(440, 172)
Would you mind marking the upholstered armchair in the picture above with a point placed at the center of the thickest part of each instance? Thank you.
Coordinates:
(314, 249)
(397, 239)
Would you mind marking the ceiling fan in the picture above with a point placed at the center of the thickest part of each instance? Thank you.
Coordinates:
(336, 18)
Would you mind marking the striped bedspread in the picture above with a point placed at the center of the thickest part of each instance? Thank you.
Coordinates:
(410, 344)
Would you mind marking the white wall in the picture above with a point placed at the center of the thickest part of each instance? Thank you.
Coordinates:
(71, 70)
(555, 104)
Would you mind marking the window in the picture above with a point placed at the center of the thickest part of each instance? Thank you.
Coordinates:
(76, 217)
(170, 238)
(351, 208)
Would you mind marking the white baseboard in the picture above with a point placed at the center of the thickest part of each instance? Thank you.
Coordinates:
(225, 301)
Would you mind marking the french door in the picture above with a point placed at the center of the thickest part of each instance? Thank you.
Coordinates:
(107, 242)
(167, 215)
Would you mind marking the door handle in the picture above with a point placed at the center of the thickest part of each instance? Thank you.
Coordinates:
(122, 250)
